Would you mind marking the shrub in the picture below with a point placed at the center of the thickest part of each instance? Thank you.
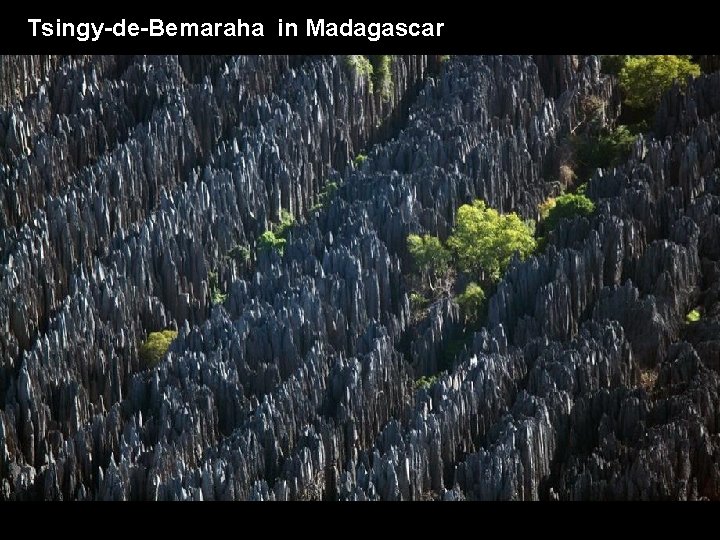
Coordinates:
(429, 255)
(643, 79)
(325, 195)
(485, 240)
(329, 190)
(376, 68)
(359, 160)
(425, 382)
(567, 206)
(470, 302)
(609, 149)
(693, 316)
(382, 74)
(287, 221)
(545, 207)
(268, 240)
(360, 65)
(154, 348)
(417, 301)
(216, 295)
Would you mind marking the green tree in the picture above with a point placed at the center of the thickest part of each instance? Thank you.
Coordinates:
(567, 206)
(429, 254)
(485, 240)
(470, 302)
(643, 79)
(268, 240)
(154, 348)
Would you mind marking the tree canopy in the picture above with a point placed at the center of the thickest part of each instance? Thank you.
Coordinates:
(429, 254)
(155, 346)
(645, 78)
(485, 240)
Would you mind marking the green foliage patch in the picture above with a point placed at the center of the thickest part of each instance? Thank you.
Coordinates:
(216, 295)
(425, 382)
(470, 302)
(287, 221)
(359, 64)
(644, 79)
(154, 348)
(429, 254)
(382, 74)
(484, 240)
(606, 150)
(417, 301)
(566, 206)
(268, 240)
(693, 316)
(359, 160)
(377, 69)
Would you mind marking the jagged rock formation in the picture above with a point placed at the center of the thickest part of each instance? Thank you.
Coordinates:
(126, 181)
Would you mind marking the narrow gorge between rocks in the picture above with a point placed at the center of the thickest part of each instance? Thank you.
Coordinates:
(260, 207)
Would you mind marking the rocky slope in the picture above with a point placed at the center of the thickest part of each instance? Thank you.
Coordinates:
(125, 182)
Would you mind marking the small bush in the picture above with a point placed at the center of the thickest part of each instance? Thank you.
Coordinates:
(329, 190)
(470, 302)
(359, 160)
(607, 150)
(360, 65)
(644, 79)
(287, 221)
(216, 295)
(693, 316)
(154, 348)
(325, 195)
(567, 206)
(545, 207)
(417, 301)
(268, 240)
(425, 382)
